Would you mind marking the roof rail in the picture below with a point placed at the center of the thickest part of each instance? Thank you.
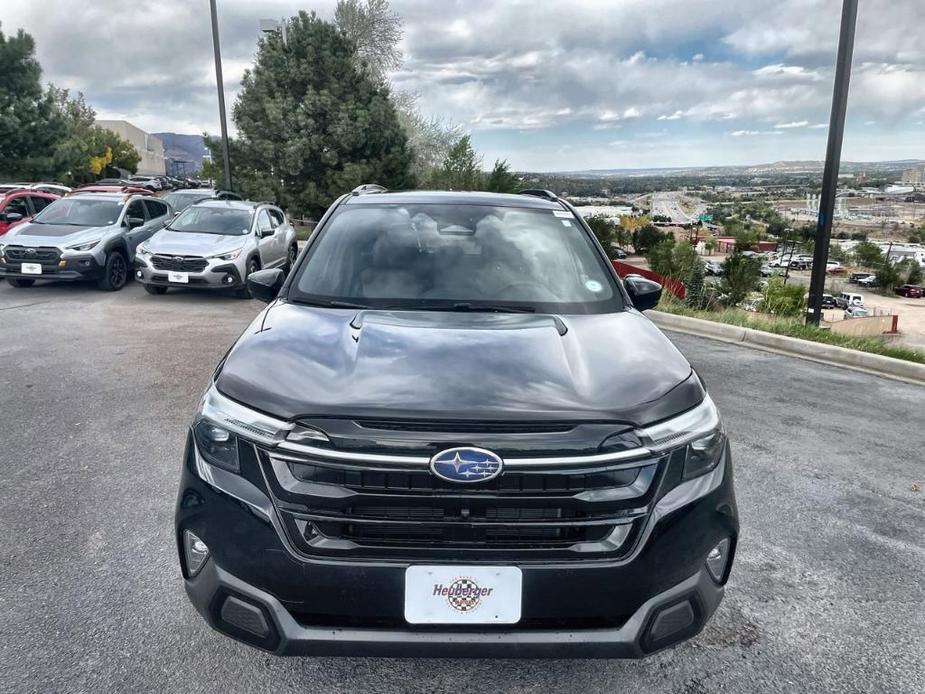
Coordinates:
(539, 193)
(367, 188)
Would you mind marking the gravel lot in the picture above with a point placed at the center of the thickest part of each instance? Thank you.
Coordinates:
(826, 595)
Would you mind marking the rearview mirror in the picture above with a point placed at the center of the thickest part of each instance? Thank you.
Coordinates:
(264, 285)
(135, 222)
(644, 293)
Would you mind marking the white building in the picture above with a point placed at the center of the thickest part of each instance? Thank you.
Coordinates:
(149, 148)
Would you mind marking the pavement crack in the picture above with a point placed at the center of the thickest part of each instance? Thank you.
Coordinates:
(34, 303)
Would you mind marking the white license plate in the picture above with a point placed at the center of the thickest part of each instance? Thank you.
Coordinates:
(31, 269)
(180, 277)
(462, 594)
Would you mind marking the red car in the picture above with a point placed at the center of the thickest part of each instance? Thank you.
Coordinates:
(910, 291)
(18, 206)
(128, 190)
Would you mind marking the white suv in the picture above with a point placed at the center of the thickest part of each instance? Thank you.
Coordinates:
(216, 244)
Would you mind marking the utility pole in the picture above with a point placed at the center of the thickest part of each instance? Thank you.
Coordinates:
(226, 155)
(849, 16)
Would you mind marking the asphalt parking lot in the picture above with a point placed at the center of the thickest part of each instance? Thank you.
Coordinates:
(827, 593)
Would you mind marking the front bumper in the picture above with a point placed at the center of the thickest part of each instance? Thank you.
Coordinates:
(665, 619)
(67, 268)
(222, 275)
(296, 605)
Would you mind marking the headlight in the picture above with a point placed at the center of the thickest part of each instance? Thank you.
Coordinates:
(230, 255)
(222, 421)
(86, 246)
(699, 431)
(142, 250)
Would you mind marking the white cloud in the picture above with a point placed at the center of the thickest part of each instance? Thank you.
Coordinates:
(572, 71)
(792, 124)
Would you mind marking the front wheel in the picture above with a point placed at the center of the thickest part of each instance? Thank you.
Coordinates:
(20, 283)
(115, 272)
(252, 267)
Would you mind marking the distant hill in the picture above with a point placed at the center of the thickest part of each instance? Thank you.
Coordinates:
(778, 167)
(179, 147)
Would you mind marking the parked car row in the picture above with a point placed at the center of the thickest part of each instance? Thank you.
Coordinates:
(110, 235)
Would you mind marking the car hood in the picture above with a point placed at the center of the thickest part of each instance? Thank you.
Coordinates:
(299, 361)
(168, 242)
(61, 235)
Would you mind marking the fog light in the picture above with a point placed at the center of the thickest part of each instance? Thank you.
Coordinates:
(196, 552)
(717, 559)
(138, 274)
(229, 279)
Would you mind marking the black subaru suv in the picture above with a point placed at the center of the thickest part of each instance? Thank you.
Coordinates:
(453, 433)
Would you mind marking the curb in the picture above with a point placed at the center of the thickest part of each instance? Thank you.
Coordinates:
(907, 371)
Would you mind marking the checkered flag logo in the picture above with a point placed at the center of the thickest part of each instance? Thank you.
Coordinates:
(464, 595)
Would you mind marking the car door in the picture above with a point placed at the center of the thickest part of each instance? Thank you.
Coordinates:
(16, 205)
(157, 214)
(266, 246)
(135, 235)
(281, 235)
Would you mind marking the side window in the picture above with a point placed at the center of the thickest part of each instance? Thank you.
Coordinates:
(155, 209)
(276, 217)
(39, 204)
(135, 209)
(263, 221)
(17, 206)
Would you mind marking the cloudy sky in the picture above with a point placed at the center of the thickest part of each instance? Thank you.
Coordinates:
(549, 85)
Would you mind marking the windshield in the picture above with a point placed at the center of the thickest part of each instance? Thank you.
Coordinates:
(80, 211)
(213, 220)
(457, 257)
(180, 201)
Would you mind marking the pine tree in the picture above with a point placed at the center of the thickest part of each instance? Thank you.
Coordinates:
(311, 126)
(28, 127)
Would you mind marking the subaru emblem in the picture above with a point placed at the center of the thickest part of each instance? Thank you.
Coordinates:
(178, 258)
(30, 251)
(466, 465)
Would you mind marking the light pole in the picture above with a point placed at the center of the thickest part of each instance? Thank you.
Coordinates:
(849, 16)
(226, 155)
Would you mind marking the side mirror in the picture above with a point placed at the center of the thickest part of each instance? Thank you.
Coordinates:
(644, 293)
(11, 217)
(134, 222)
(266, 232)
(264, 285)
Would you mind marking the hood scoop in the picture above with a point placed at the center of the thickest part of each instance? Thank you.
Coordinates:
(465, 320)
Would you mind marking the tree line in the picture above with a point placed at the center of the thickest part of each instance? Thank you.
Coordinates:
(46, 134)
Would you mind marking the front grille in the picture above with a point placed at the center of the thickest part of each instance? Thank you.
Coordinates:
(334, 507)
(23, 254)
(177, 263)
(423, 481)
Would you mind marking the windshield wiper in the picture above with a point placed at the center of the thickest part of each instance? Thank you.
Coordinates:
(483, 308)
(330, 303)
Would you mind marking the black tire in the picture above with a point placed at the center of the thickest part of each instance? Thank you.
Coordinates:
(19, 283)
(291, 257)
(151, 289)
(252, 266)
(115, 272)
